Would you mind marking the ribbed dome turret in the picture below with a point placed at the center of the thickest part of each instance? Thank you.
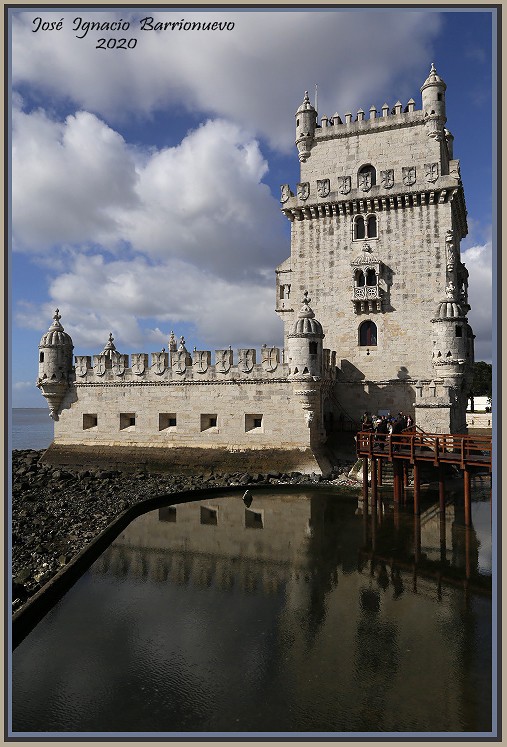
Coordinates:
(56, 334)
(109, 347)
(449, 309)
(433, 78)
(306, 324)
(305, 106)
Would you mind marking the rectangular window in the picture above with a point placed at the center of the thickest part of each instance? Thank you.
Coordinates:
(89, 421)
(459, 331)
(208, 421)
(167, 513)
(253, 519)
(166, 421)
(253, 422)
(209, 516)
(127, 421)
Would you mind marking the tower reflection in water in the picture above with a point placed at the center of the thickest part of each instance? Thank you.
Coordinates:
(277, 616)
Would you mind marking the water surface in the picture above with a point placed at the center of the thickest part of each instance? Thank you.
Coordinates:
(211, 617)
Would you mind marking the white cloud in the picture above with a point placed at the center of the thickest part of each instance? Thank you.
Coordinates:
(96, 296)
(478, 260)
(21, 385)
(72, 180)
(78, 182)
(255, 74)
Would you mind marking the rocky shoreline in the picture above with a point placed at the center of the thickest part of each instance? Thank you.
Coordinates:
(57, 511)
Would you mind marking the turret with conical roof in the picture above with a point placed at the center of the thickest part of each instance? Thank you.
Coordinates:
(452, 342)
(305, 343)
(306, 122)
(433, 103)
(55, 364)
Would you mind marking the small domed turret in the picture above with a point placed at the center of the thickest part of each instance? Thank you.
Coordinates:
(451, 345)
(306, 122)
(55, 364)
(433, 102)
(305, 343)
(109, 347)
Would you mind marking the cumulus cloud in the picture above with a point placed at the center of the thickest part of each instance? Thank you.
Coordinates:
(97, 295)
(72, 180)
(478, 260)
(77, 182)
(255, 74)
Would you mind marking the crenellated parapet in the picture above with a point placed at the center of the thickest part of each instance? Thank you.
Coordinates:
(179, 365)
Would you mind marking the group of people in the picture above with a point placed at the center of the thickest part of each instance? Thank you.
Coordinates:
(386, 424)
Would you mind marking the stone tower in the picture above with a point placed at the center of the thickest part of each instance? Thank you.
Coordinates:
(55, 365)
(304, 347)
(376, 224)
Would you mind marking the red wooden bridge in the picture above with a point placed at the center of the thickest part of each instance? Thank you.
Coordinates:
(413, 448)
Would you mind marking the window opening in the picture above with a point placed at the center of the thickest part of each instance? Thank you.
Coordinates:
(253, 422)
(209, 516)
(167, 513)
(312, 348)
(371, 277)
(89, 421)
(253, 519)
(359, 229)
(208, 421)
(127, 420)
(368, 334)
(166, 420)
(372, 227)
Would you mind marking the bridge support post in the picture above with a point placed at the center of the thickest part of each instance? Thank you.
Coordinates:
(468, 497)
(379, 476)
(417, 539)
(443, 543)
(405, 475)
(365, 486)
(441, 487)
(374, 491)
(397, 482)
(417, 489)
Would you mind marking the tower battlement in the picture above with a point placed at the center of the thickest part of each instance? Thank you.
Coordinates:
(180, 365)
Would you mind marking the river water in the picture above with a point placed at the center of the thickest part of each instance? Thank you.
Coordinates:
(211, 617)
(32, 428)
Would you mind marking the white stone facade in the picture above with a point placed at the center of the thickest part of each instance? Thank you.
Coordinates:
(376, 224)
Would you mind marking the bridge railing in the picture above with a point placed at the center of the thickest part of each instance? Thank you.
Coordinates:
(436, 447)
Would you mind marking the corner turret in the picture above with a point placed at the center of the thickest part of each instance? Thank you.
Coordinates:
(306, 122)
(55, 365)
(433, 104)
(452, 343)
(305, 344)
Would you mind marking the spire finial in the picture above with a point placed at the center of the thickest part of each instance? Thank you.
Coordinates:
(57, 316)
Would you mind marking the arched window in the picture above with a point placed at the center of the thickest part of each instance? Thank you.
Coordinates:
(371, 277)
(364, 227)
(368, 334)
(359, 228)
(366, 177)
(359, 278)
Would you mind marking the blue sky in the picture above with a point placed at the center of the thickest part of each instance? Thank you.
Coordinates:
(146, 182)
